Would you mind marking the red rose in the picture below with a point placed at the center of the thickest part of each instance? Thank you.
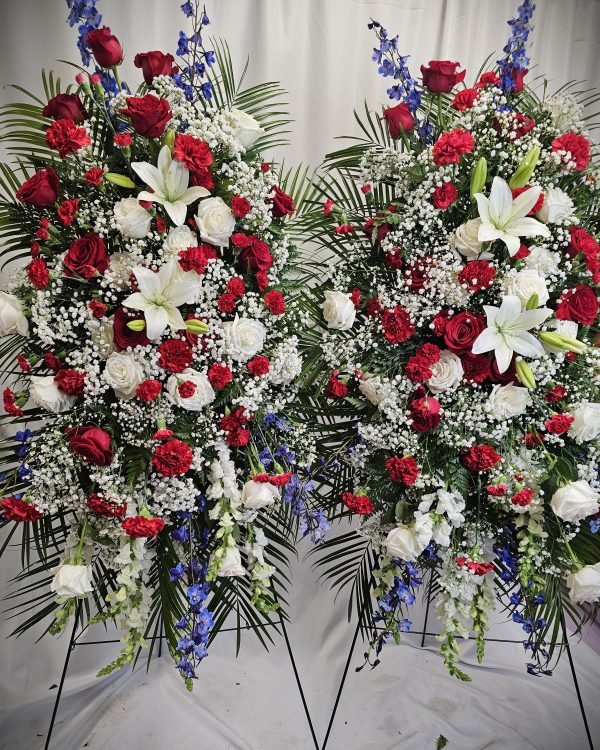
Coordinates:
(503, 378)
(149, 114)
(487, 79)
(65, 107)
(219, 375)
(67, 211)
(148, 390)
(15, 509)
(398, 119)
(258, 366)
(124, 337)
(579, 304)
(476, 367)
(154, 64)
(65, 137)
(522, 498)
(236, 286)
(102, 506)
(538, 204)
(240, 206)
(94, 176)
(105, 47)
(38, 273)
(558, 424)
(440, 77)
(335, 388)
(418, 369)
(41, 190)
(70, 381)
(140, 527)
(477, 274)
(403, 470)
(86, 256)
(555, 394)
(396, 325)
(461, 331)
(283, 205)
(444, 195)
(480, 458)
(360, 504)
(226, 302)
(416, 274)
(425, 413)
(275, 301)
(577, 148)
(98, 308)
(91, 443)
(175, 355)
(465, 99)
(196, 258)
(255, 255)
(451, 145)
(172, 458)
(196, 156)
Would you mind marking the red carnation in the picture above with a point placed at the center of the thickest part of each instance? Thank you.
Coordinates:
(65, 107)
(533, 439)
(465, 99)
(233, 425)
(102, 506)
(523, 498)
(175, 355)
(38, 273)
(140, 527)
(226, 302)
(283, 205)
(425, 413)
(522, 125)
(355, 297)
(496, 490)
(417, 273)
(403, 470)
(105, 46)
(219, 375)
(577, 148)
(91, 443)
(70, 381)
(477, 274)
(149, 114)
(67, 211)
(52, 361)
(94, 176)
(444, 195)
(275, 302)
(86, 256)
(396, 325)
(451, 145)
(10, 406)
(240, 206)
(258, 366)
(154, 64)
(148, 390)
(66, 137)
(480, 458)
(579, 304)
(196, 156)
(98, 308)
(440, 321)
(360, 504)
(440, 76)
(172, 458)
(398, 119)
(461, 331)
(393, 258)
(538, 204)
(41, 190)
(476, 367)
(418, 369)
(196, 258)
(23, 363)
(327, 207)
(555, 394)
(123, 140)
(429, 352)
(487, 79)
(335, 388)
(373, 307)
(558, 424)
(15, 509)
(236, 286)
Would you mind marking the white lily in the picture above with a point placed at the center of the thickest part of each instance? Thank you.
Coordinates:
(508, 332)
(503, 218)
(169, 180)
(159, 296)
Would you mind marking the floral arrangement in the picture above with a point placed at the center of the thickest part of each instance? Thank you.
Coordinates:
(153, 330)
(460, 322)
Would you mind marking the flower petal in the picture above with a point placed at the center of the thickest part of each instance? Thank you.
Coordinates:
(157, 319)
(136, 301)
(177, 212)
(504, 355)
(531, 319)
(512, 242)
(193, 194)
(500, 202)
(483, 205)
(487, 232)
(524, 202)
(527, 227)
(525, 344)
(164, 162)
(148, 281)
(176, 320)
(149, 174)
(509, 311)
(487, 340)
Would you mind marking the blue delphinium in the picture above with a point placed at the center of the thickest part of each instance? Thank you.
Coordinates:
(392, 64)
(84, 13)
(515, 51)
(195, 58)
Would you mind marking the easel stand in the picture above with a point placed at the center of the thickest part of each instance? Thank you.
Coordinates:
(73, 643)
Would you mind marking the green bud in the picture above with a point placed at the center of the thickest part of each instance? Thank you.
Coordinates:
(525, 169)
(196, 326)
(533, 302)
(119, 179)
(136, 325)
(571, 344)
(478, 177)
(553, 339)
(169, 139)
(145, 513)
(524, 374)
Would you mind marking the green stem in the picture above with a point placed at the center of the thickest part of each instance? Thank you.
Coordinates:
(78, 557)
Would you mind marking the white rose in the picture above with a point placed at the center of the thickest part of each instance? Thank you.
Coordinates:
(44, 393)
(231, 564)
(203, 395)
(525, 283)
(584, 585)
(120, 266)
(405, 543)
(12, 319)
(244, 337)
(446, 372)
(507, 401)
(215, 221)
(132, 219)
(123, 373)
(256, 495)
(179, 238)
(587, 422)
(575, 501)
(556, 206)
(338, 310)
(103, 337)
(466, 241)
(246, 129)
(543, 260)
(71, 580)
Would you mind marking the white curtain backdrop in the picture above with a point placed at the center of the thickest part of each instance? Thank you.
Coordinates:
(320, 51)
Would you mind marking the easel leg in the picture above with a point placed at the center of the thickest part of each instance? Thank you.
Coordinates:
(575, 681)
(427, 609)
(64, 672)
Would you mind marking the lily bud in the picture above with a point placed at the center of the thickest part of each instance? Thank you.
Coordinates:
(119, 179)
(525, 169)
(136, 325)
(169, 139)
(533, 302)
(478, 177)
(196, 326)
(524, 374)
(573, 345)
